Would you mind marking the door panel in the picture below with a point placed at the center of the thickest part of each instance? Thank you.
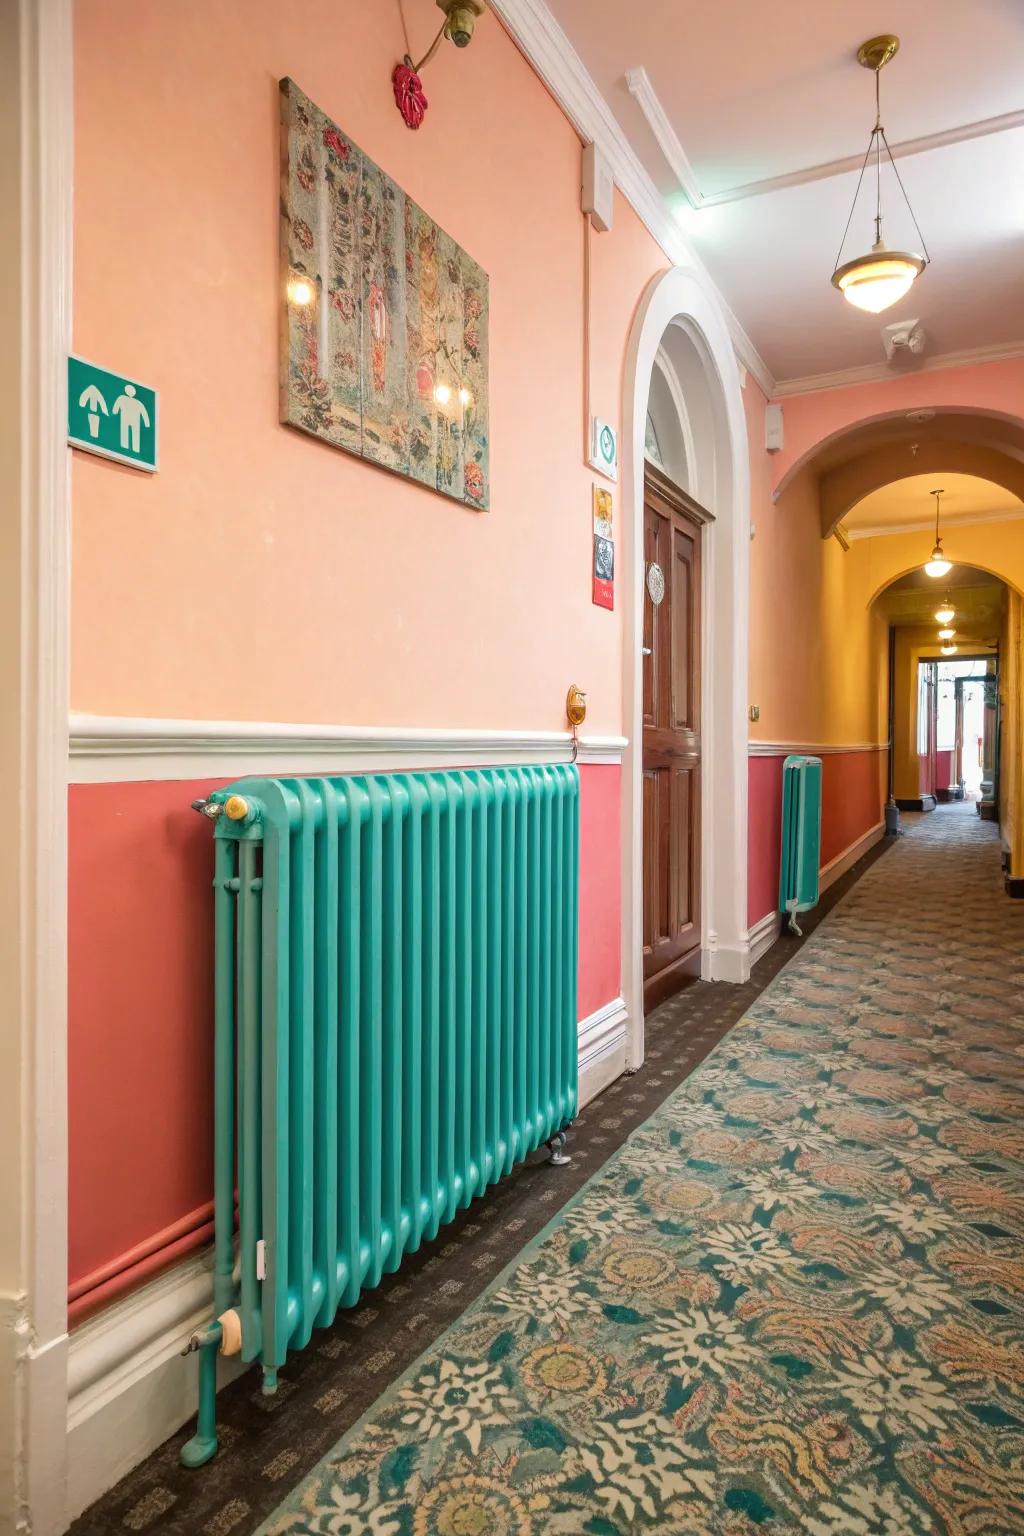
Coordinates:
(671, 743)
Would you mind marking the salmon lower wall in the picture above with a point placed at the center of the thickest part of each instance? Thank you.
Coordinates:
(140, 1029)
(852, 799)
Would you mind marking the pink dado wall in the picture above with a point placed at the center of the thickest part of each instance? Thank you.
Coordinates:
(141, 1017)
(852, 798)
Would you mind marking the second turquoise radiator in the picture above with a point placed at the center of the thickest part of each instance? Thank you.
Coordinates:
(395, 1029)
(801, 836)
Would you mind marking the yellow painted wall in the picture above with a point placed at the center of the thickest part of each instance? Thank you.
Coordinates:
(1011, 699)
(818, 651)
(913, 646)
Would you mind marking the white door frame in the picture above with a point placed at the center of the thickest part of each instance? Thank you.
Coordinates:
(36, 136)
(720, 480)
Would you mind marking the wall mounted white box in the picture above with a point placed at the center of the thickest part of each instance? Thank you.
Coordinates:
(773, 428)
(598, 195)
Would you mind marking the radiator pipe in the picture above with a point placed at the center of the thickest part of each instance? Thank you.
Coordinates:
(203, 1444)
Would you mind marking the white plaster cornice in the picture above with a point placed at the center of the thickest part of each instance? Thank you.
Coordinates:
(550, 53)
(968, 520)
(872, 373)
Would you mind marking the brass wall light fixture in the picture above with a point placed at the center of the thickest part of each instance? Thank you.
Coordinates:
(881, 277)
(460, 18)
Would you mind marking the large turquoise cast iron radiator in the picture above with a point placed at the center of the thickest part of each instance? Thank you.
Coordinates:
(801, 836)
(395, 1029)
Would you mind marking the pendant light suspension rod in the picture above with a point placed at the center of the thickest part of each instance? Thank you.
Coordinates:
(874, 56)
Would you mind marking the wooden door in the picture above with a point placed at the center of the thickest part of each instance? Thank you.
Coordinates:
(671, 740)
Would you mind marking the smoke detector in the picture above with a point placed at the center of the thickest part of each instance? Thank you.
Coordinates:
(903, 341)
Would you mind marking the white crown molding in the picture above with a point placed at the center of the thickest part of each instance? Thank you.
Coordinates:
(966, 520)
(872, 373)
(643, 92)
(829, 168)
(646, 97)
(811, 749)
(115, 748)
(552, 56)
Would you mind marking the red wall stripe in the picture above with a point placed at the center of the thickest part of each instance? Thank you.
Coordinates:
(140, 1028)
(852, 797)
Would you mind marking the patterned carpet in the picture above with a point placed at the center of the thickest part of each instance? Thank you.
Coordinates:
(793, 1300)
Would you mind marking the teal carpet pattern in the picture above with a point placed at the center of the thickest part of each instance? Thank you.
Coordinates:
(794, 1301)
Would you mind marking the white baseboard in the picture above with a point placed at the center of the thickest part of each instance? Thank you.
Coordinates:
(129, 1387)
(602, 1049)
(838, 866)
(767, 929)
(763, 935)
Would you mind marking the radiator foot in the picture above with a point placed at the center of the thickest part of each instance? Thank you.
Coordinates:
(558, 1157)
(203, 1445)
(794, 926)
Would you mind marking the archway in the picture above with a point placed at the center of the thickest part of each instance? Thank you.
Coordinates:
(680, 318)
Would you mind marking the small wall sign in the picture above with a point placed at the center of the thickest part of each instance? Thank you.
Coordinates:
(604, 572)
(111, 415)
(604, 448)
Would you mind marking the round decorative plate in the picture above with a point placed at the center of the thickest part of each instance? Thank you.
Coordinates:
(656, 582)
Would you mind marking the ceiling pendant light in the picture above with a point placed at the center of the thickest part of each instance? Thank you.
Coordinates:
(878, 279)
(938, 565)
(949, 650)
(946, 613)
(947, 634)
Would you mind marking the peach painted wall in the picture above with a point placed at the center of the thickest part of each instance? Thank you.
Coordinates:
(817, 655)
(264, 575)
(812, 418)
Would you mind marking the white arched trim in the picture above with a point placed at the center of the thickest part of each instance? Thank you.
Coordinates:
(720, 479)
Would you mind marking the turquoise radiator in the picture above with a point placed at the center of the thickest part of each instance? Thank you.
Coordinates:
(395, 1029)
(801, 836)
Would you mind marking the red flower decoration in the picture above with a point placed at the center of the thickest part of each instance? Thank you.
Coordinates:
(335, 142)
(409, 97)
(474, 481)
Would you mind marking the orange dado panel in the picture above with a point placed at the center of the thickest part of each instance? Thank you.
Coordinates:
(141, 1018)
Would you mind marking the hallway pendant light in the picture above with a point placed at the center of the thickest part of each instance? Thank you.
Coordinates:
(949, 650)
(946, 613)
(938, 565)
(947, 634)
(881, 277)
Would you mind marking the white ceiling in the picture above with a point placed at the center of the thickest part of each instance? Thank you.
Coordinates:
(753, 92)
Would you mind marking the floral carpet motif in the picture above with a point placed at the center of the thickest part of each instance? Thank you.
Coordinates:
(795, 1299)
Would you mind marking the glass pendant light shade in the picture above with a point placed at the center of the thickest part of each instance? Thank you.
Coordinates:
(946, 634)
(949, 650)
(938, 565)
(878, 280)
(946, 613)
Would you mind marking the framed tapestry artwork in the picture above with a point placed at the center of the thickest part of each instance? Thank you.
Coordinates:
(384, 334)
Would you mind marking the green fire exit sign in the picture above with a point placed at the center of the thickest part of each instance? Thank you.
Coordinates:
(111, 415)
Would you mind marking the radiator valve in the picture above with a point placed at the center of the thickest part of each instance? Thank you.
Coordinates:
(210, 808)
